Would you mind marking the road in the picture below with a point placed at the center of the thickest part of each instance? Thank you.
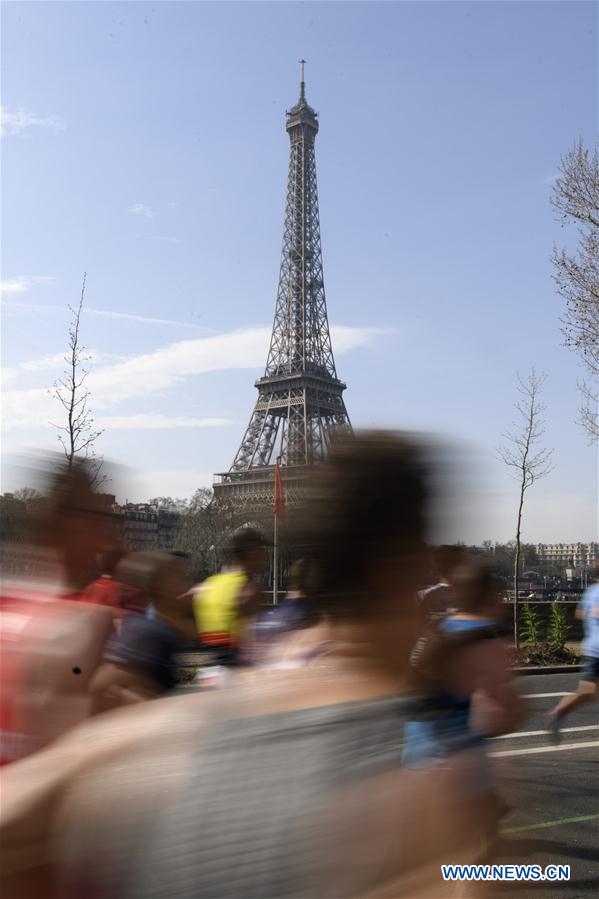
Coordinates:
(553, 792)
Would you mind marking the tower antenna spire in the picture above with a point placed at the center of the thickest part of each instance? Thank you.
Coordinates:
(302, 63)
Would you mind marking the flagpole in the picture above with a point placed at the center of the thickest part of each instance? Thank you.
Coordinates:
(275, 564)
(279, 510)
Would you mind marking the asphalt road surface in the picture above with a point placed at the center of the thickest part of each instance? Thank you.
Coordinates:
(553, 792)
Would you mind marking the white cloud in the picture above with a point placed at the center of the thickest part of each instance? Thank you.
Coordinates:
(29, 408)
(129, 316)
(22, 284)
(158, 371)
(15, 121)
(16, 285)
(50, 360)
(7, 375)
(346, 337)
(157, 421)
(170, 365)
(103, 313)
(53, 361)
(141, 209)
(57, 360)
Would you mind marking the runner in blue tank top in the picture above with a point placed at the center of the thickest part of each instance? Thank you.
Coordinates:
(588, 613)
(465, 694)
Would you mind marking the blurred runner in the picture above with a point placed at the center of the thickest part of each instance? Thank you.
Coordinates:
(140, 662)
(226, 604)
(289, 788)
(588, 613)
(298, 612)
(438, 600)
(298, 609)
(466, 694)
(108, 590)
(50, 648)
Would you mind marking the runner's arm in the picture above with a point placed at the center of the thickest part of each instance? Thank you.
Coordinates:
(113, 686)
(481, 670)
(496, 706)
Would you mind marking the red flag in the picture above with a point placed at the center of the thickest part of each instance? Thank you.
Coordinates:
(279, 504)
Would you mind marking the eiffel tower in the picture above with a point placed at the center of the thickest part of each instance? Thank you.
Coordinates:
(300, 398)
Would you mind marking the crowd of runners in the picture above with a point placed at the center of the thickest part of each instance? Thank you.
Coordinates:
(331, 746)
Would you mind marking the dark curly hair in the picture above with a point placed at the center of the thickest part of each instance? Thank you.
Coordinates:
(368, 501)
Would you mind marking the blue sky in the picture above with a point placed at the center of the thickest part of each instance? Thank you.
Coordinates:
(145, 144)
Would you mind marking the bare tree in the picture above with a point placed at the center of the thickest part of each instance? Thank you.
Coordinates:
(78, 436)
(30, 496)
(206, 526)
(168, 504)
(528, 460)
(575, 198)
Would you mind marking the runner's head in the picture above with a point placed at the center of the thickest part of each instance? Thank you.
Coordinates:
(159, 577)
(75, 521)
(476, 589)
(364, 526)
(248, 550)
(447, 558)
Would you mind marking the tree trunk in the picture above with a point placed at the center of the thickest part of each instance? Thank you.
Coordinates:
(517, 569)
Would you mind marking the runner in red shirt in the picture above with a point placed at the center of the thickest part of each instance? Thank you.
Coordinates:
(49, 647)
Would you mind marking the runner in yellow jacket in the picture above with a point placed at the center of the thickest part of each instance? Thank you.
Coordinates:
(226, 604)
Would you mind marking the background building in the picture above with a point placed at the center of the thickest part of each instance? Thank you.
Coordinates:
(568, 555)
(147, 527)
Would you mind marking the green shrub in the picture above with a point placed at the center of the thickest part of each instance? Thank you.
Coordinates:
(558, 626)
(530, 624)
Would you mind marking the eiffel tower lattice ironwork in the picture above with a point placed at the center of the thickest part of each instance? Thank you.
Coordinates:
(300, 398)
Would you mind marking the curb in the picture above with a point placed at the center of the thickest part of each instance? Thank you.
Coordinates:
(549, 669)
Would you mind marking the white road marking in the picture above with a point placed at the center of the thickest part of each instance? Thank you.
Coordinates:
(538, 733)
(534, 749)
(541, 695)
